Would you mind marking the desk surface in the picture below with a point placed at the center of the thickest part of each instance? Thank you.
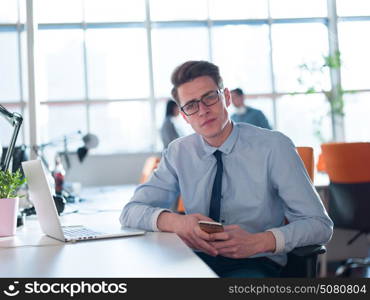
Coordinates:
(156, 254)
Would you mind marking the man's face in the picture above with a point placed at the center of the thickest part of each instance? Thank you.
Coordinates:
(209, 121)
(237, 100)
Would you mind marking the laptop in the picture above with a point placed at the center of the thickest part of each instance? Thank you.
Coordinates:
(41, 196)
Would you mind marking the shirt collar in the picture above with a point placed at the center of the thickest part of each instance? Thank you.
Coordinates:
(226, 147)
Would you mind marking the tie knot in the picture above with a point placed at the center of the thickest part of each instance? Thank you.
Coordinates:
(217, 154)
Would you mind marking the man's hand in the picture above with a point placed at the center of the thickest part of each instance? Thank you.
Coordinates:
(235, 242)
(187, 228)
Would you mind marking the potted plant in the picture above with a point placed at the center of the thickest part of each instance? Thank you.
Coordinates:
(9, 184)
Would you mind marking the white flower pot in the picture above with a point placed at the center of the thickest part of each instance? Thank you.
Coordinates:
(8, 216)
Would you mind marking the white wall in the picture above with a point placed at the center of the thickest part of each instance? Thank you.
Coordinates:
(100, 170)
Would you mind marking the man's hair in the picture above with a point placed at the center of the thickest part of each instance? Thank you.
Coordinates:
(238, 91)
(190, 70)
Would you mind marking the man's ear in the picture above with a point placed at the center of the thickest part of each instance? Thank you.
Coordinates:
(184, 116)
(227, 97)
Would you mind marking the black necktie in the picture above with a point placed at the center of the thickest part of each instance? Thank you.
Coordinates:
(214, 208)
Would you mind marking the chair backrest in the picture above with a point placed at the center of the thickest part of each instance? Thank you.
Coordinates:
(348, 167)
(150, 165)
(347, 162)
(306, 154)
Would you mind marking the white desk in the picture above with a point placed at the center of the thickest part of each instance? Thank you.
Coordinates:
(155, 254)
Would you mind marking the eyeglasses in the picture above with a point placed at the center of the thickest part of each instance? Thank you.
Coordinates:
(209, 99)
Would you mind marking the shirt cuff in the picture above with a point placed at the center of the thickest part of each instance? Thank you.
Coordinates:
(280, 240)
(155, 218)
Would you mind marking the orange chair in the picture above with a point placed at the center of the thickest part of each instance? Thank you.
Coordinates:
(306, 154)
(150, 165)
(348, 167)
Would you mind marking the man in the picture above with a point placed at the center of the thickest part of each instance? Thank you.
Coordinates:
(245, 113)
(248, 178)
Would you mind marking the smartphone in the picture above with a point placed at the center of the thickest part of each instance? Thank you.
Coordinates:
(211, 227)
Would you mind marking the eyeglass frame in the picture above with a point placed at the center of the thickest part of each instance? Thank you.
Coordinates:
(197, 101)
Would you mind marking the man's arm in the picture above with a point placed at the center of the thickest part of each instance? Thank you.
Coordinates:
(152, 198)
(148, 209)
(308, 220)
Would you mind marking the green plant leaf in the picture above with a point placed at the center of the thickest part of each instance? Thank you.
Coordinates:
(10, 183)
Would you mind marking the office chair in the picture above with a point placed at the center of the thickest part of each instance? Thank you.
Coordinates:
(348, 167)
(302, 261)
(150, 165)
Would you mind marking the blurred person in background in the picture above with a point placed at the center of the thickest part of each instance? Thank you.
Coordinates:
(247, 114)
(168, 129)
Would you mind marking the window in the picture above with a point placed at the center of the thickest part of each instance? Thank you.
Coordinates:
(293, 45)
(114, 10)
(12, 71)
(298, 9)
(355, 51)
(165, 10)
(237, 9)
(61, 64)
(56, 11)
(129, 126)
(173, 46)
(242, 53)
(302, 118)
(104, 66)
(117, 63)
(59, 120)
(353, 7)
(357, 124)
(9, 65)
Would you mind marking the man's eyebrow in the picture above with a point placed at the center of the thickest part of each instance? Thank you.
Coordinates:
(205, 94)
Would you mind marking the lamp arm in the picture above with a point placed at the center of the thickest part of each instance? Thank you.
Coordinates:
(6, 113)
(15, 120)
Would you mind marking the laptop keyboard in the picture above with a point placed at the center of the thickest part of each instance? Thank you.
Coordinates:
(80, 232)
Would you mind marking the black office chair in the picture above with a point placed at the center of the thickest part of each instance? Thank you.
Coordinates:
(302, 262)
(348, 167)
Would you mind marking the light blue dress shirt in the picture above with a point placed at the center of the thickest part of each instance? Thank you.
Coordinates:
(264, 181)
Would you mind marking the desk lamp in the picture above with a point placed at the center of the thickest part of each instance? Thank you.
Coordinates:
(90, 141)
(15, 120)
